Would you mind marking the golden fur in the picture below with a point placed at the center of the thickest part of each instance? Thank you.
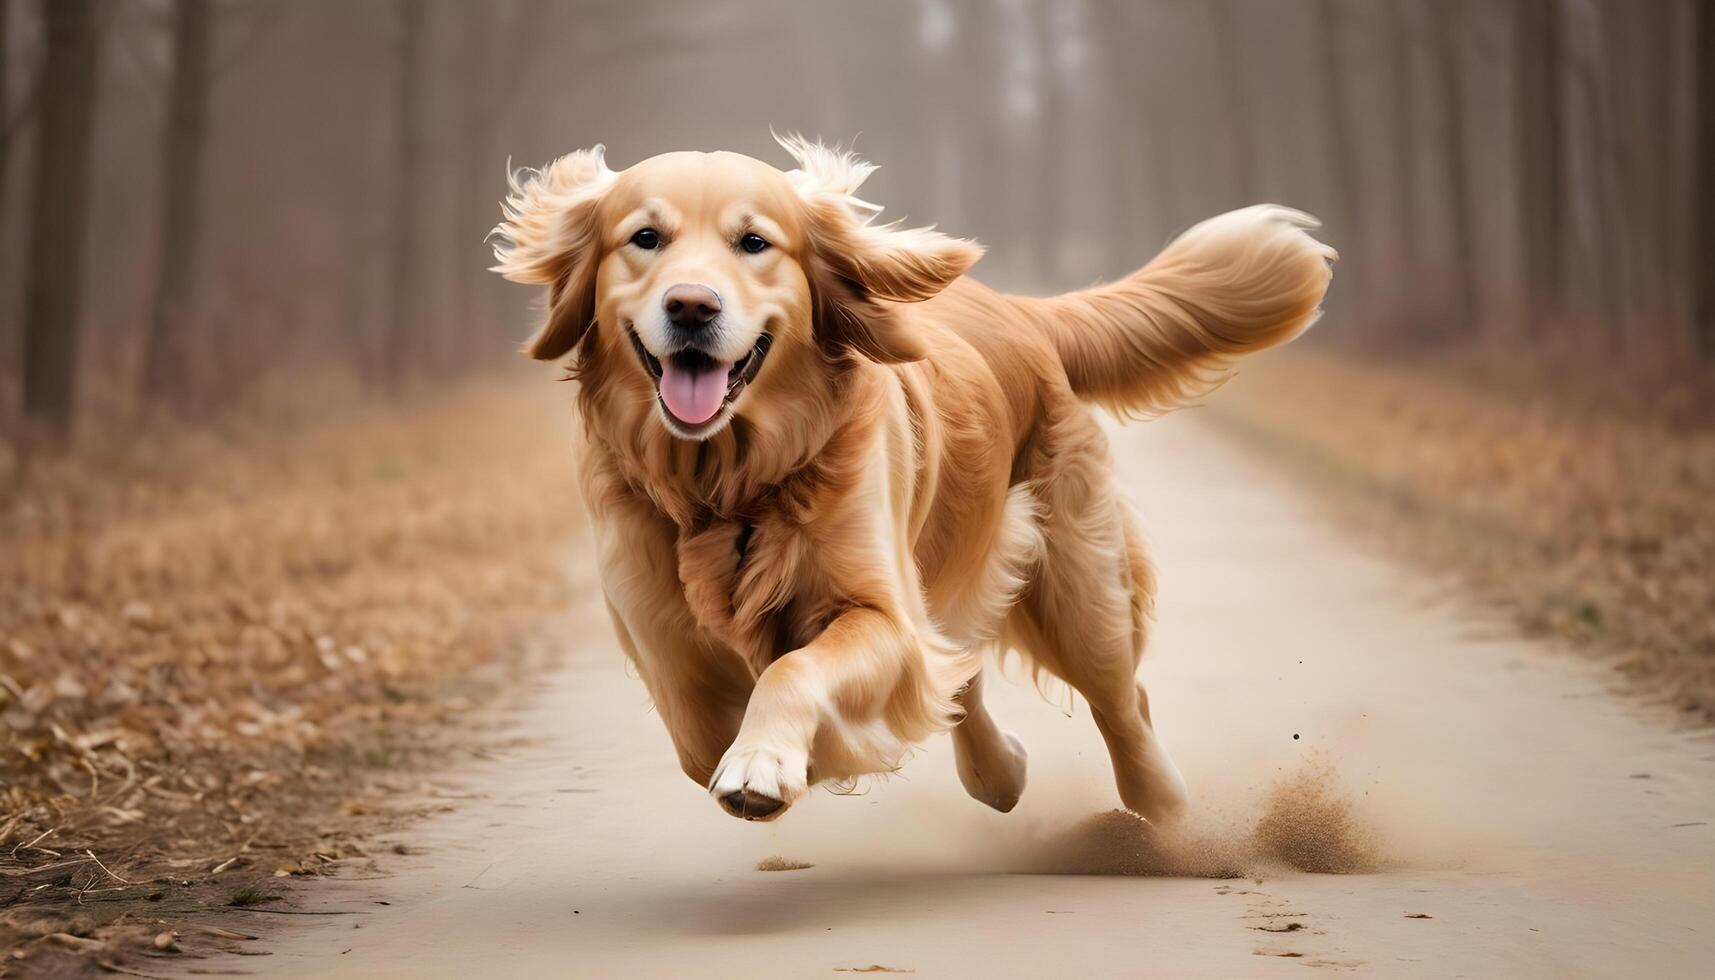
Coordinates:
(807, 587)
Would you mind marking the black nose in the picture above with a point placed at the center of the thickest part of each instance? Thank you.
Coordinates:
(690, 305)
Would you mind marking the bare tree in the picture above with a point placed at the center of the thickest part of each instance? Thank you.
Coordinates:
(1596, 189)
(1069, 137)
(1445, 22)
(59, 207)
(181, 178)
(1048, 200)
(1538, 116)
(937, 31)
(1021, 74)
(1124, 99)
(497, 45)
(1342, 146)
(977, 47)
(1660, 201)
(1703, 266)
(1403, 58)
(472, 209)
(1241, 125)
(5, 73)
(407, 193)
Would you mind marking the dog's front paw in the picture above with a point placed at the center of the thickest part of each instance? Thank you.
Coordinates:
(758, 783)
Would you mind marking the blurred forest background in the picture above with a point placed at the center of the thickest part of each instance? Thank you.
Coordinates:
(206, 203)
(273, 508)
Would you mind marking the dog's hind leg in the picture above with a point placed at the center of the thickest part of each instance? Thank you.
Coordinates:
(1084, 617)
(991, 762)
(1086, 641)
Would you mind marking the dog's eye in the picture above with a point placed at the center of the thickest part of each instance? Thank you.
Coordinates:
(753, 243)
(648, 239)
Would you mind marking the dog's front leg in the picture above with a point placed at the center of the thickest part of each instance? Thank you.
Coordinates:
(830, 697)
(699, 689)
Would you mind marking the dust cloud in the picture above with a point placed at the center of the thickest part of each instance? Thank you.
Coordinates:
(1307, 823)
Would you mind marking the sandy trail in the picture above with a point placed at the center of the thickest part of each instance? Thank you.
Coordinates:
(1546, 827)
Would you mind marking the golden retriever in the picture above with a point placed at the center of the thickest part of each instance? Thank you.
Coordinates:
(827, 471)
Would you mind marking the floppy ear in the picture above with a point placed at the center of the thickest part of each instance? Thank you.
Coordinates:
(549, 238)
(858, 269)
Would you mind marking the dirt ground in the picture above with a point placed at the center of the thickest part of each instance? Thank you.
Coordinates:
(310, 695)
(1494, 807)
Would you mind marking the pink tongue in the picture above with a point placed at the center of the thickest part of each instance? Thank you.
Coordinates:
(693, 395)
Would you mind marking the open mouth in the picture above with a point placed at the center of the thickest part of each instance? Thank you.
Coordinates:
(694, 387)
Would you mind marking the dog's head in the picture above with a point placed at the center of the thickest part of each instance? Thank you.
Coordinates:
(704, 281)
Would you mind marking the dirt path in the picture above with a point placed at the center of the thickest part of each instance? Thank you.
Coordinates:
(1530, 823)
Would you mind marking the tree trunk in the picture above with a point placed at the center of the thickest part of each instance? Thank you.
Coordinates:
(1342, 147)
(181, 180)
(938, 30)
(1662, 203)
(59, 206)
(1599, 280)
(5, 118)
(1444, 17)
(1045, 234)
(1235, 102)
(1539, 118)
(1120, 97)
(1703, 268)
(396, 362)
(1403, 53)
(472, 209)
(977, 49)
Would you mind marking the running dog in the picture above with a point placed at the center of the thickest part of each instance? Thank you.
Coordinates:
(827, 470)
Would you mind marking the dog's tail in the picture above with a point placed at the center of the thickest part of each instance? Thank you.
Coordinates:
(1170, 332)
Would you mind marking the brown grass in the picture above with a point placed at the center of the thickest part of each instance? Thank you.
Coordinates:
(230, 650)
(1585, 518)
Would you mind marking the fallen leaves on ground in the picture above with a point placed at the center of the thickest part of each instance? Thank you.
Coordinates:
(224, 652)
